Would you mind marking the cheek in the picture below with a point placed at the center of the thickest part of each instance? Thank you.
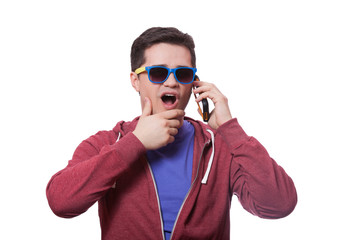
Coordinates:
(146, 89)
(186, 96)
(149, 91)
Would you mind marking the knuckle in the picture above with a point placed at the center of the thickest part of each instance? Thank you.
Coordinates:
(172, 131)
(171, 139)
(176, 131)
(163, 123)
(179, 111)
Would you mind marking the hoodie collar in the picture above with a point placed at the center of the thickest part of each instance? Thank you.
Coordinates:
(200, 128)
(125, 127)
(203, 132)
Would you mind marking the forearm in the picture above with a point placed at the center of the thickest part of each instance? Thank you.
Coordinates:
(88, 176)
(262, 186)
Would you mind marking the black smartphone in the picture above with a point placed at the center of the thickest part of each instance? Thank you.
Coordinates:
(204, 106)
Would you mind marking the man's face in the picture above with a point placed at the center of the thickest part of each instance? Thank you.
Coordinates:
(170, 94)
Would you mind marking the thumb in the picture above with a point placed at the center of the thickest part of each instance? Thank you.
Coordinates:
(147, 108)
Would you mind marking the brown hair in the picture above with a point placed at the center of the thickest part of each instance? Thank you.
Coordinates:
(156, 35)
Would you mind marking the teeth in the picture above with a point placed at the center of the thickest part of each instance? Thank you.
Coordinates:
(168, 98)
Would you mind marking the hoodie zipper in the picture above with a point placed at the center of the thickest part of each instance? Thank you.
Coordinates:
(158, 201)
(187, 194)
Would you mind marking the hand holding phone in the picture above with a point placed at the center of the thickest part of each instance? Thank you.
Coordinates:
(204, 106)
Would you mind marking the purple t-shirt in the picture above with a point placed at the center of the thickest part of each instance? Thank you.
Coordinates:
(172, 168)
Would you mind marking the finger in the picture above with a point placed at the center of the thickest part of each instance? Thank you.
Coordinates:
(199, 83)
(171, 114)
(147, 108)
(173, 131)
(203, 96)
(171, 139)
(181, 121)
(203, 86)
(201, 89)
(209, 91)
(174, 123)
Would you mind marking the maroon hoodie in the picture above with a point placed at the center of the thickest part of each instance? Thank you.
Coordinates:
(111, 168)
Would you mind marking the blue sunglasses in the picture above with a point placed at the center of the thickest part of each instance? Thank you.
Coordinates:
(159, 74)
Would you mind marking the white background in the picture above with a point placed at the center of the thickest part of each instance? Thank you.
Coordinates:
(289, 68)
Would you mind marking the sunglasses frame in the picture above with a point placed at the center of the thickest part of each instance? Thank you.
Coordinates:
(170, 70)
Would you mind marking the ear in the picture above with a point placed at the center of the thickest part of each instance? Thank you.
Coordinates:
(135, 81)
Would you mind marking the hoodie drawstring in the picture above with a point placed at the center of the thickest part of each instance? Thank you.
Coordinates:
(119, 136)
(206, 176)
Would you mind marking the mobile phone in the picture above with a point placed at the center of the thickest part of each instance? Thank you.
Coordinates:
(203, 106)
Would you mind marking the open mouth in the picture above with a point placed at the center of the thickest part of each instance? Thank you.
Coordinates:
(168, 99)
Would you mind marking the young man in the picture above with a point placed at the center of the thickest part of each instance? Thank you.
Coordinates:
(164, 175)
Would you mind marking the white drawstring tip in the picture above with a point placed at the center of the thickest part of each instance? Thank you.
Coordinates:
(119, 136)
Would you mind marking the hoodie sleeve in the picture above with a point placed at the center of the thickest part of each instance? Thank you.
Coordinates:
(96, 164)
(261, 185)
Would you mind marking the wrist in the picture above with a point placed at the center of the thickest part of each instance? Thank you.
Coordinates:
(139, 136)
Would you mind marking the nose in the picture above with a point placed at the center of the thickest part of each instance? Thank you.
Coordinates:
(171, 81)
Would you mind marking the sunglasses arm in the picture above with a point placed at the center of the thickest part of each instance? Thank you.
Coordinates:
(140, 70)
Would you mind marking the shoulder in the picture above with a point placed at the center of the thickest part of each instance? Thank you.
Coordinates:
(109, 137)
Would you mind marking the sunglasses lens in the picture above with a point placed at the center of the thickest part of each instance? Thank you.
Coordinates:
(185, 75)
(158, 74)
